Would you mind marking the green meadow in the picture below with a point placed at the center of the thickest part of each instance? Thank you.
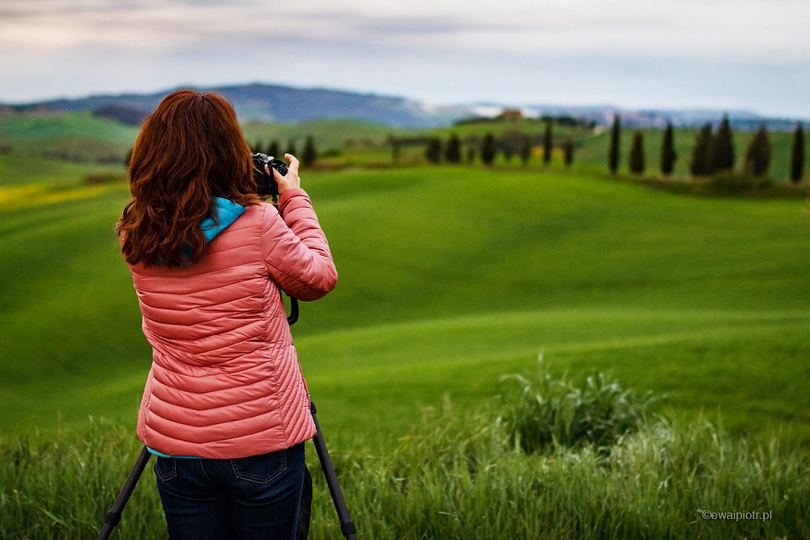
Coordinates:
(450, 277)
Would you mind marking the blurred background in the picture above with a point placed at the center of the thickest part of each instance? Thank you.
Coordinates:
(617, 188)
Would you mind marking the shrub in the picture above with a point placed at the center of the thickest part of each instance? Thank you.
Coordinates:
(310, 152)
(548, 143)
(525, 150)
(568, 152)
(102, 178)
(452, 151)
(734, 182)
(273, 149)
(433, 150)
(488, 149)
(549, 412)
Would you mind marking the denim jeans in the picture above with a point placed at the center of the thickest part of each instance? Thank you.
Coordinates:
(245, 498)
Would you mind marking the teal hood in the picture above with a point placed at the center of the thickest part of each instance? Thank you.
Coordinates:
(223, 213)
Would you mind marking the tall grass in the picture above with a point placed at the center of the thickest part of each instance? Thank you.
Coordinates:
(548, 411)
(461, 475)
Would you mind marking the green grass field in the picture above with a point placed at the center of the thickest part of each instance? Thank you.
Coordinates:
(76, 136)
(449, 277)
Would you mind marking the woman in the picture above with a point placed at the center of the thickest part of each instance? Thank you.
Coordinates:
(225, 406)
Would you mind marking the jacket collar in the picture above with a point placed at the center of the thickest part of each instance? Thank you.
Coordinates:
(223, 213)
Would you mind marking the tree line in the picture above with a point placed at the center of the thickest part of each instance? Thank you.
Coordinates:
(487, 149)
(712, 154)
(309, 152)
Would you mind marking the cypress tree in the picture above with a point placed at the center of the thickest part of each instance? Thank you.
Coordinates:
(525, 150)
(452, 152)
(488, 150)
(758, 156)
(723, 147)
(310, 153)
(507, 151)
(615, 142)
(637, 153)
(257, 147)
(433, 152)
(548, 143)
(396, 148)
(128, 157)
(701, 153)
(568, 152)
(797, 155)
(668, 153)
(470, 154)
(273, 149)
(291, 147)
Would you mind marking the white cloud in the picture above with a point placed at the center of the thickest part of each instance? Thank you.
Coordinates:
(428, 48)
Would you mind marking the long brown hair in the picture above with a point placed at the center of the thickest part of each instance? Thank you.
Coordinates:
(189, 150)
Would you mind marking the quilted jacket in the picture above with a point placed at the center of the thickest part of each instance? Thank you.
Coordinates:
(225, 380)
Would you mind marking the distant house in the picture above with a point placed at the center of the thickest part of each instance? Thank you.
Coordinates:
(510, 114)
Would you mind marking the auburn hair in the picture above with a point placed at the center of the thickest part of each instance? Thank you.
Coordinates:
(189, 150)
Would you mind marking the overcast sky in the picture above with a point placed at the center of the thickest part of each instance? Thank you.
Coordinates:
(730, 54)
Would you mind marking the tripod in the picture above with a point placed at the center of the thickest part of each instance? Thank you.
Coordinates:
(346, 525)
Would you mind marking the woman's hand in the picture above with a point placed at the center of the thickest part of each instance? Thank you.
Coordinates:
(291, 179)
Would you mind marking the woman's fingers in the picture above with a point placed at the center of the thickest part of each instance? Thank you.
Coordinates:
(293, 166)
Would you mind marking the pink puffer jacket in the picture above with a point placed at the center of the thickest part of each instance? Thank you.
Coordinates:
(225, 380)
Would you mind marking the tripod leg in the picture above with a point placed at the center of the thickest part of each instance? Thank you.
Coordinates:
(346, 525)
(114, 515)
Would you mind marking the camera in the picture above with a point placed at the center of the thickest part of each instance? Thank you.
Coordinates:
(265, 183)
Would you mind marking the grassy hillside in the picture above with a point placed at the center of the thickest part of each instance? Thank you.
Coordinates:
(76, 136)
(81, 137)
(449, 277)
(21, 170)
(329, 133)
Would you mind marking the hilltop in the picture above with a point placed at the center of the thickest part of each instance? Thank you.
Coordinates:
(260, 102)
(288, 104)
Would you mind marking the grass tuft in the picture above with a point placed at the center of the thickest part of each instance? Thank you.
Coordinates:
(546, 412)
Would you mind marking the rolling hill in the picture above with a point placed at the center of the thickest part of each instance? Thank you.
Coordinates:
(287, 104)
(77, 140)
(264, 102)
(449, 277)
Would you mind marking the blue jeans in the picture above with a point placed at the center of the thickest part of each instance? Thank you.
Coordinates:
(245, 498)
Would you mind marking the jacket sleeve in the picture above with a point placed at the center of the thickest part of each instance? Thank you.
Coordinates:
(295, 249)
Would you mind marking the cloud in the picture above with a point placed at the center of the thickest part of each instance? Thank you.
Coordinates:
(440, 50)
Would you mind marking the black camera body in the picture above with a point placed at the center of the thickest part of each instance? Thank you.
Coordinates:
(265, 183)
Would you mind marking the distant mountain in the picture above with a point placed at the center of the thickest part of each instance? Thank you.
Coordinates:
(286, 104)
(263, 102)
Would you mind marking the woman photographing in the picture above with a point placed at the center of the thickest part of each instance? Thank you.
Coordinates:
(225, 406)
